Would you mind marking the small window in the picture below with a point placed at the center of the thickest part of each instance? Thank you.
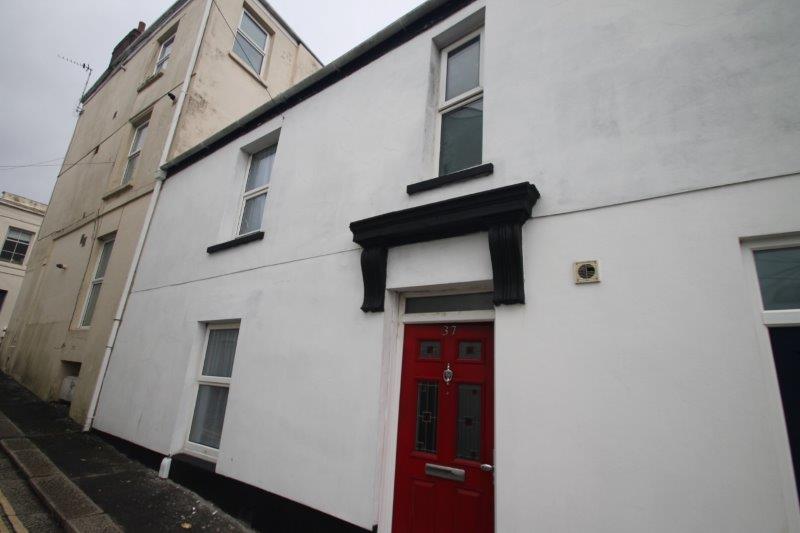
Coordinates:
(251, 42)
(213, 384)
(481, 301)
(163, 54)
(461, 106)
(256, 188)
(97, 282)
(3, 294)
(779, 278)
(16, 245)
(134, 153)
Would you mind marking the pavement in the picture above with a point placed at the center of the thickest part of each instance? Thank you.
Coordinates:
(54, 477)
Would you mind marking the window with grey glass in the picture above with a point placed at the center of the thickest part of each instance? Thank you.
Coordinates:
(213, 385)
(779, 278)
(16, 245)
(256, 188)
(461, 105)
(251, 40)
(97, 282)
(164, 53)
(134, 153)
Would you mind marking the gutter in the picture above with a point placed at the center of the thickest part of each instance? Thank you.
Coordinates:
(402, 30)
(91, 413)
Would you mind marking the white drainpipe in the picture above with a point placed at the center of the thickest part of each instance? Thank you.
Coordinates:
(147, 220)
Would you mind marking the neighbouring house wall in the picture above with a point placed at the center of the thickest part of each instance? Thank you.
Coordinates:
(11, 275)
(224, 87)
(641, 402)
(89, 201)
(87, 204)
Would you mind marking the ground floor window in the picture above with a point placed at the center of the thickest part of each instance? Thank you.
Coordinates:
(213, 384)
(97, 281)
(777, 267)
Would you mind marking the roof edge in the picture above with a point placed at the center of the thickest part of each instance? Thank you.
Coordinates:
(274, 14)
(392, 36)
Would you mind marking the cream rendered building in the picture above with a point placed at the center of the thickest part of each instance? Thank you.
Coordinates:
(20, 219)
(200, 66)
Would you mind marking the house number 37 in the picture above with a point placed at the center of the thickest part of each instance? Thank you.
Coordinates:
(448, 330)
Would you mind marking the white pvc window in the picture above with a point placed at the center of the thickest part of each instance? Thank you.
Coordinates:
(256, 188)
(779, 278)
(134, 153)
(97, 282)
(213, 383)
(163, 54)
(16, 245)
(460, 143)
(251, 42)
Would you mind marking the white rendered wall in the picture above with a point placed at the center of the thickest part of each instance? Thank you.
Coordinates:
(638, 404)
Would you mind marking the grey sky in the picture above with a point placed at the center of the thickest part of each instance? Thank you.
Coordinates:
(39, 91)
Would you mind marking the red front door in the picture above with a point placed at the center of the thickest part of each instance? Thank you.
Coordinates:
(445, 443)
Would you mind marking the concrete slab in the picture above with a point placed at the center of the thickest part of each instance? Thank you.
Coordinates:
(19, 494)
(95, 482)
(81, 454)
(12, 393)
(8, 429)
(64, 498)
(40, 523)
(100, 523)
(160, 505)
(10, 445)
(33, 463)
(40, 418)
(7, 469)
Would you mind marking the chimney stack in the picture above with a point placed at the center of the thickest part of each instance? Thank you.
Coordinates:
(126, 42)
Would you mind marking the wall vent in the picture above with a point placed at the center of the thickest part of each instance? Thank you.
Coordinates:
(586, 272)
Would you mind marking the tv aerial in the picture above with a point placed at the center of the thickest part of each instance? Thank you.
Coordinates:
(86, 67)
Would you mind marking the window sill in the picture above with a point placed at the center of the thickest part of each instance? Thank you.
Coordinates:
(117, 190)
(149, 81)
(238, 241)
(454, 177)
(248, 68)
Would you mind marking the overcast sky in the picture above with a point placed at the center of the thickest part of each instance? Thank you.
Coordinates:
(39, 91)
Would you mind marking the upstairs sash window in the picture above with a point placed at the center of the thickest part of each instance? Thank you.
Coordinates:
(134, 153)
(16, 245)
(461, 106)
(255, 194)
(250, 44)
(163, 54)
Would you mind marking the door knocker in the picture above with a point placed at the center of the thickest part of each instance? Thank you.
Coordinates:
(447, 375)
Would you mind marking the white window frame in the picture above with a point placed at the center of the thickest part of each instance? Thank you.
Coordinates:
(30, 245)
(239, 31)
(96, 280)
(160, 58)
(463, 99)
(134, 152)
(193, 448)
(764, 320)
(258, 191)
